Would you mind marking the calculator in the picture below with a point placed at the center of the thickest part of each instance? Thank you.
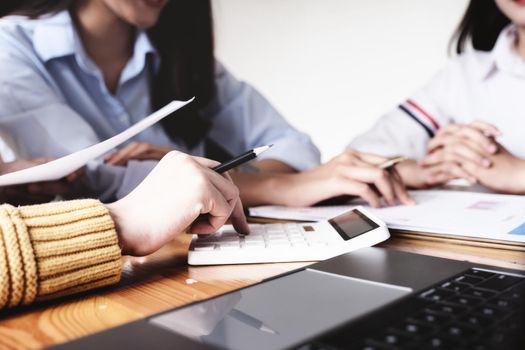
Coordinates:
(289, 242)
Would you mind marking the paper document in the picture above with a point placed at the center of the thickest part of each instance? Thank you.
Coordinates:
(469, 214)
(64, 166)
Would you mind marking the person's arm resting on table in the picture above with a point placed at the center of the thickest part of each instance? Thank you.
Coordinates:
(55, 249)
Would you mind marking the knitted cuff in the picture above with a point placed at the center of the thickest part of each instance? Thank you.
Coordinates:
(57, 249)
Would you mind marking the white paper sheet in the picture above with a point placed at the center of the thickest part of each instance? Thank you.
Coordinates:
(458, 213)
(64, 166)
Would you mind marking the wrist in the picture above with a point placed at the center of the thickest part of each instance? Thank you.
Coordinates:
(263, 188)
(409, 171)
(116, 211)
(521, 177)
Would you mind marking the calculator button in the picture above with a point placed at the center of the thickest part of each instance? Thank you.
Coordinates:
(228, 233)
(203, 247)
(317, 244)
(253, 239)
(229, 247)
(280, 243)
(229, 239)
(254, 244)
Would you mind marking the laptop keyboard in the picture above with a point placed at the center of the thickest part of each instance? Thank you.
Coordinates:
(475, 310)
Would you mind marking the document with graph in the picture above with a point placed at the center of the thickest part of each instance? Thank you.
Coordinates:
(456, 213)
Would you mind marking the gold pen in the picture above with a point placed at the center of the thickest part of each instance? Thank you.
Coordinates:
(389, 163)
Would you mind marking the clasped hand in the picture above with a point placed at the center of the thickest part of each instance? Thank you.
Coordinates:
(467, 151)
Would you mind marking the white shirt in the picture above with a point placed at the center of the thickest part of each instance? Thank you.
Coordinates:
(53, 101)
(477, 85)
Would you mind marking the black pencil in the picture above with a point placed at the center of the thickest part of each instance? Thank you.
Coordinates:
(241, 159)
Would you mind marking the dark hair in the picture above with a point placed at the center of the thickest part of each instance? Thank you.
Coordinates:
(8, 6)
(482, 23)
(183, 36)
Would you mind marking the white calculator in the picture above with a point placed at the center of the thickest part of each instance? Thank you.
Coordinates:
(268, 243)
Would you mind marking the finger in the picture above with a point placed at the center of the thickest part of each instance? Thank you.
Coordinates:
(479, 141)
(372, 158)
(373, 175)
(218, 210)
(42, 160)
(432, 159)
(75, 175)
(487, 128)
(439, 141)
(126, 154)
(457, 172)
(437, 176)
(224, 184)
(467, 152)
(473, 169)
(460, 152)
(485, 142)
(208, 163)
(238, 219)
(447, 171)
(400, 190)
(119, 157)
(364, 191)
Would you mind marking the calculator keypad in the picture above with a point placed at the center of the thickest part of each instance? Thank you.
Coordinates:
(265, 236)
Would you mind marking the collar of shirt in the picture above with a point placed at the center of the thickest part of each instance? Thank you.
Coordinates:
(55, 36)
(504, 57)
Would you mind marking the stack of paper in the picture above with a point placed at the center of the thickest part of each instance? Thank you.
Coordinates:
(456, 213)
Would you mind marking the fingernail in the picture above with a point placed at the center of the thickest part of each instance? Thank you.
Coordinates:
(486, 163)
(492, 148)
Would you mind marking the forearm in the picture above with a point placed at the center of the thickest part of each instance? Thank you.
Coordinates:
(56, 249)
(264, 187)
(273, 166)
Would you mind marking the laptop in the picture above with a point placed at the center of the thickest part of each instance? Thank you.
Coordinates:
(373, 298)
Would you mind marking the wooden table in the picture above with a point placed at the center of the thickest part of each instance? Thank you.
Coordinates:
(164, 280)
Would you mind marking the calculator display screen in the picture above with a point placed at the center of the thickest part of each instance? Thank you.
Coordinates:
(352, 224)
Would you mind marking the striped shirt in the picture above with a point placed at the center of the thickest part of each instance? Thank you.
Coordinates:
(476, 85)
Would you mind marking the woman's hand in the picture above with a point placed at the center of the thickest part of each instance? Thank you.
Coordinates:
(473, 142)
(180, 190)
(38, 192)
(507, 173)
(138, 151)
(350, 173)
(416, 175)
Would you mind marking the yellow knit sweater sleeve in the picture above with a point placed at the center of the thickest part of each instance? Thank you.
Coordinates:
(55, 249)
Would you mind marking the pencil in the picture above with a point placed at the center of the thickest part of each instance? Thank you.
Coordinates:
(241, 159)
(389, 163)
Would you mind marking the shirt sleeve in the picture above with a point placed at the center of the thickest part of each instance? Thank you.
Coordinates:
(406, 130)
(36, 121)
(244, 119)
(56, 249)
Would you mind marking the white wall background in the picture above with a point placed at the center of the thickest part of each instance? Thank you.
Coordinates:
(332, 67)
